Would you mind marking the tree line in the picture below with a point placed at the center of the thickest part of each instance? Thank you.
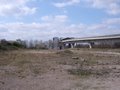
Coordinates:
(26, 44)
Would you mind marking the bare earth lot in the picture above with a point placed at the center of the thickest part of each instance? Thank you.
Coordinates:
(82, 69)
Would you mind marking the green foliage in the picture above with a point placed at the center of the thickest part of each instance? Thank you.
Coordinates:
(80, 72)
(16, 44)
(7, 45)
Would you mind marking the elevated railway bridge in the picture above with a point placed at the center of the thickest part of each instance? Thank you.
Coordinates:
(112, 41)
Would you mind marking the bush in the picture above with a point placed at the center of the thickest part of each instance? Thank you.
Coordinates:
(6, 45)
(16, 44)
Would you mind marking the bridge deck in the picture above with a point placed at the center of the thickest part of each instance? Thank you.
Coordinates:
(93, 38)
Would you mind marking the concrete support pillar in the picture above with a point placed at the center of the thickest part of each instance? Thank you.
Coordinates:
(72, 45)
(62, 46)
(90, 45)
(75, 44)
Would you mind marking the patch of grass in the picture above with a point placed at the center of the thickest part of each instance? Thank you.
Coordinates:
(65, 52)
(80, 72)
(36, 70)
(6, 58)
(89, 72)
(22, 62)
(68, 51)
(63, 62)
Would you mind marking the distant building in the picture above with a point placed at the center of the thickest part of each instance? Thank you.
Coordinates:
(56, 43)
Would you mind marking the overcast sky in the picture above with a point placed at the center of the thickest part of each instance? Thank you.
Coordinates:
(44, 19)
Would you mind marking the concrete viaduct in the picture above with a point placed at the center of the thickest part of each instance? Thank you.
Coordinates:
(110, 40)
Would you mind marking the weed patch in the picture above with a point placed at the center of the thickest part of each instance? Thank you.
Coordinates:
(79, 72)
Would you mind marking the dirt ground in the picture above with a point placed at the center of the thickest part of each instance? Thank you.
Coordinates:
(73, 69)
